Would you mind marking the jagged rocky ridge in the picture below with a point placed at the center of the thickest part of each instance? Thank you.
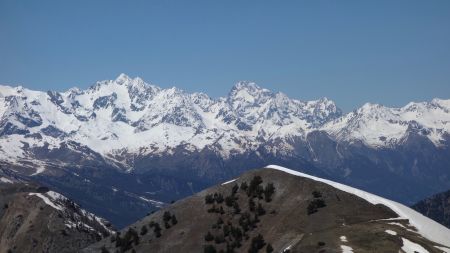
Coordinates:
(137, 145)
(280, 210)
(35, 219)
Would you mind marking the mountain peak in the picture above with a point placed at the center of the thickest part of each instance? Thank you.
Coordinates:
(122, 78)
(248, 91)
(245, 85)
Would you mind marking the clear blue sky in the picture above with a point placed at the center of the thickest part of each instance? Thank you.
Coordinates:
(388, 52)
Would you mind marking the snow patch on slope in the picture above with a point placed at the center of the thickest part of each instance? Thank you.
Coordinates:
(5, 180)
(227, 182)
(411, 247)
(46, 200)
(39, 170)
(154, 202)
(391, 232)
(426, 227)
(346, 249)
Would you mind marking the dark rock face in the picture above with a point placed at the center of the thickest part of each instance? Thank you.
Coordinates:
(436, 207)
(266, 207)
(53, 132)
(105, 101)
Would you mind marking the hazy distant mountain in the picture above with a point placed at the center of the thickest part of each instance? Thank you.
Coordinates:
(280, 210)
(436, 207)
(138, 146)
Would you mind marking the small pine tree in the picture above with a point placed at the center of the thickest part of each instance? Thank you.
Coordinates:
(226, 230)
(219, 198)
(269, 248)
(230, 248)
(156, 228)
(229, 200)
(244, 186)
(234, 189)
(209, 249)
(209, 237)
(268, 192)
(174, 219)
(244, 221)
(256, 244)
(316, 194)
(254, 185)
(260, 210)
(236, 208)
(251, 205)
(218, 239)
(144, 230)
(167, 216)
(209, 199)
(314, 205)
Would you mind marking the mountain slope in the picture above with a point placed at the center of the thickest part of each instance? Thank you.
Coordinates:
(301, 214)
(436, 207)
(138, 146)
(34, 219)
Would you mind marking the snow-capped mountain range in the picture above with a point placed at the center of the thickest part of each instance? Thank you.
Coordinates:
(128, 115)
(122, 145)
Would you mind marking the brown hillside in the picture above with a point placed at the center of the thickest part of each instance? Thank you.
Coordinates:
(301, 215)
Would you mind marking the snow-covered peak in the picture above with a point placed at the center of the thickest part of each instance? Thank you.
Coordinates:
(379, 126)
(248, 92)
(247, 85)
(444, 103)
(122, 78)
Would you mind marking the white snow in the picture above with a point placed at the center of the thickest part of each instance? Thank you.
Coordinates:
(381, 126)
(343, 238)
(391, 232)
(154, 202)
(397, 224)
(288, 248)
(411, 247)
(46, 200)
(426, 227)
(444, 249)
(39, 170)
(227, 182)
(55, 200)
(168, 118)
(346, 249)
(5, 180)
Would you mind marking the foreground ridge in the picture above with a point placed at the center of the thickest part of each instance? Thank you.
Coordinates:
(276, 209)
(427, 227)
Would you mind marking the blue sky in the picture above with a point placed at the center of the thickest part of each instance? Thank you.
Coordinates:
(387, 52)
